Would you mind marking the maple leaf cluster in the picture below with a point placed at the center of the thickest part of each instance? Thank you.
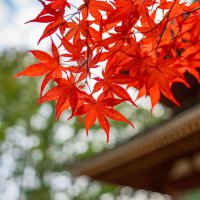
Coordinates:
(143, 44)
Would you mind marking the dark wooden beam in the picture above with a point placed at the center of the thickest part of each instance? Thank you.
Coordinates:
(145, 162)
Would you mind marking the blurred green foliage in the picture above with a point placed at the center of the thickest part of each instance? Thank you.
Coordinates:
(35, 150)
(16, 97)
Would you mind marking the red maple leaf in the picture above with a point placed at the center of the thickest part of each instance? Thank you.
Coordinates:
(49, 66)
(130, 45)
(66, 93)
(100, 109)
(94, 7)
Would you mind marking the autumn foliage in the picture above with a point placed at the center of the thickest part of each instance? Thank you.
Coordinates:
(108, 46)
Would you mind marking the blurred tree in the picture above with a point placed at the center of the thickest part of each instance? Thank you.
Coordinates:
(35, 150)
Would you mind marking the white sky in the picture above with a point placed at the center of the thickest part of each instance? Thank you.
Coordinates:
(13, 32)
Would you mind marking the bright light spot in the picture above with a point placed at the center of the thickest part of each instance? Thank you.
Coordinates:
(82, 182)
(158, 110)
(107, 196)
(45, 110)
(30, 180)
(61, 196)
(63, 133)
(81, 147)
(11, 191)
(127, 191)
(38, 122)
(144, 102)
(73, 191)
(60, 182)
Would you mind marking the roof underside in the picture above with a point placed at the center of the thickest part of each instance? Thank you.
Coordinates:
(149, 161)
